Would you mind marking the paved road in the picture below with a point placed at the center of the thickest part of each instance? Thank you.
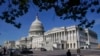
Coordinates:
(63, 53)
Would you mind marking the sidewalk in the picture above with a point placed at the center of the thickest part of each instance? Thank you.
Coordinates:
(91, 55)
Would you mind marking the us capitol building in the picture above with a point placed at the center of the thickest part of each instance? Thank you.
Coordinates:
(57, 38)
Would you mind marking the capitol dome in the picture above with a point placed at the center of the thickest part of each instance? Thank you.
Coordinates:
(36, 27)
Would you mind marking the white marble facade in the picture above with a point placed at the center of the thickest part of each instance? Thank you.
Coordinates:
(58, 38)
(9, 44)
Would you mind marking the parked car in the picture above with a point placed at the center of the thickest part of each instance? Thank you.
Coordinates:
(43, 49)
(26, 51)
(14, 52)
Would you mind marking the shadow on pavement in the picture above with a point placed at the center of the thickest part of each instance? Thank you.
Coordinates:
(62, 55)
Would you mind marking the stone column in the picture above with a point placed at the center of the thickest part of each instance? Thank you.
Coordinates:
(64, 35)
(72, 38)
(69, 38)
(54, 37)
(77, 37)
(61, 36)
(73, 35)
(51, 37)
(64, 39)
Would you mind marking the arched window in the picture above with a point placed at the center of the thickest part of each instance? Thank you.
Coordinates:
(71, 45)
(67, 45)
(74, 45)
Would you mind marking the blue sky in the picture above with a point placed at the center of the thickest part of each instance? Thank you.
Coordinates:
(49, 20)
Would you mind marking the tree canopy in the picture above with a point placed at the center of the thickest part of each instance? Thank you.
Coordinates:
(75, 10)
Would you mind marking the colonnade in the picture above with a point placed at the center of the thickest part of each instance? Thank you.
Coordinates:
(69, 37)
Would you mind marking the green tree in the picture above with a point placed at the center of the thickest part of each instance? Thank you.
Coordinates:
(65, 9)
